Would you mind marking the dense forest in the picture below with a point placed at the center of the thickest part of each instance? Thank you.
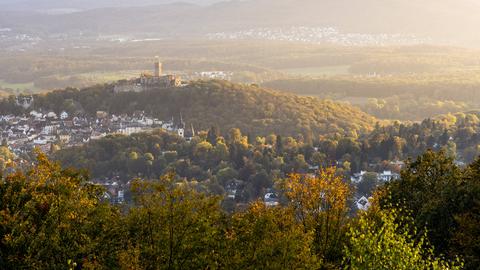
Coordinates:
(254, 163)
(54, 218)
(401, 97)
(212, 103)
(457, 134)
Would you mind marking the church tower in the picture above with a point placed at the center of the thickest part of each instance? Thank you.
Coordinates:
(157, 67)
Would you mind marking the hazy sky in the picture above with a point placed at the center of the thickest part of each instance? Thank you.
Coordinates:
(88, 4)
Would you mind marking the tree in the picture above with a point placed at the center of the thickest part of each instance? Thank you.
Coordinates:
(320, 203)
(269, 238)
(6, 157)
(173, 227)
(49, 216)
(299, 163)
(221, 152)
(368, 184)
(318, 159)
(212, 135)
(427, 188)
(451, 149)
(226, 175)
(467, 215)
(443, 199)
(382, 240)
(202, 152)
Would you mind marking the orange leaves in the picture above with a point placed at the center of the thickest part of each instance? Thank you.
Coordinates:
(312, 195)
(320, 204)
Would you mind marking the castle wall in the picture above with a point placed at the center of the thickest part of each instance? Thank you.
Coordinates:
(133, 87)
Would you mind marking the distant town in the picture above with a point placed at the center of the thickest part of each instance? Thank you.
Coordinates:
(320, 35)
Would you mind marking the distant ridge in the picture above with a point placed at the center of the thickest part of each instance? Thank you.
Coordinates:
(440, 19)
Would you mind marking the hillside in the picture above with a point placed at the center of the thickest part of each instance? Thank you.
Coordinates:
(204, 104)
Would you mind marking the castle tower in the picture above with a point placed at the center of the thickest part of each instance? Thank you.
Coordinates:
(157, 67)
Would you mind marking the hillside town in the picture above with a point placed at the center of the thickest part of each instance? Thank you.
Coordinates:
(49, 131)
(45, 130)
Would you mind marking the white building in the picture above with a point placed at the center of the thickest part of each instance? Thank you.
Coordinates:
(63, 115)
(52, 115)
(363, 204)
(271, 199)
(358, 177)
(388, 176)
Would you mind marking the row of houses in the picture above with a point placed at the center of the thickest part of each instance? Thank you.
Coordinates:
(43, 130)
(385, 176)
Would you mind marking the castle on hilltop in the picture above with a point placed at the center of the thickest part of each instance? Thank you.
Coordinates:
(149, 81)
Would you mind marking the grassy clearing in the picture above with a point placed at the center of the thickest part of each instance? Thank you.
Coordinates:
(104, 77)
(17, 86)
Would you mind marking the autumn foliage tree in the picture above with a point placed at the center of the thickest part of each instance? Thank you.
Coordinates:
(320, 204)
(50, 217)
(269, 238)
(172, 226)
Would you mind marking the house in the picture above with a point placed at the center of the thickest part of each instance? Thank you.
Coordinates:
(399, 164)
(232, 188)
(63, 115)
(313, 169)
(64, 137)
(358, 177)
(49, 129)
(36, 114)
(385, 176)
(41, 140)
(51, 115)
(363, 204)
(388, 176)
(101, 114)
(121, 196)
(271, 199)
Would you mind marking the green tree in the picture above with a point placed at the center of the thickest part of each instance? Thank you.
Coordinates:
(269, 238)
(172, 226)
(368, 184)
(212, 135)
(383, 241)
(428, 189)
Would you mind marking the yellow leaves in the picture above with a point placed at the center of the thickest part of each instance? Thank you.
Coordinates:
(315, 194)
(320, 204)
(257, 208)
(7, 238)
(72, 216)
(87, 203)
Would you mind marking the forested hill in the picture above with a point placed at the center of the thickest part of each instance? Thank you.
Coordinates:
(203, 104)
